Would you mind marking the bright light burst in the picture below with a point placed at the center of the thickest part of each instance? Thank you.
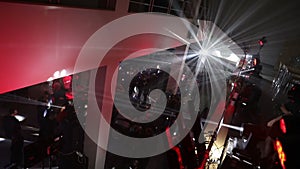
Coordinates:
(245, 22)
(210, 47)
(240, 25)
(218, 49)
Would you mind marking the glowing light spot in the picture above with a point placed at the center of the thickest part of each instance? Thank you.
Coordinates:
(56, 74)
(183, 77)
(19, 117)
(248, 56)
(204, 52)
(63, 72)
(35, 134)
(50, 79)
(135, 89)
(282, 125)
(217, 53)
(233, 57)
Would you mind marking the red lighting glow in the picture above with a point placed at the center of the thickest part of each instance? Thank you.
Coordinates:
(67, 80)
(281, 153)
(282, 125)
(235, 84)
(177, 150)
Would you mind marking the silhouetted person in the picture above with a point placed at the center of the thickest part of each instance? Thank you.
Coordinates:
(12, 129)
(44, 108)
(72, 136)
(291, 107)
(59, 95)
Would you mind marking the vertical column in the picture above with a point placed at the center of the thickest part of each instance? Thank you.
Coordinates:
(122, 6)
(104, 87)
(92, 121)
(177, 68)
(107, 108)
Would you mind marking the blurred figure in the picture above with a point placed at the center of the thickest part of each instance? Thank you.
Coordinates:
(71, 135)
(12, 129)
(46, 117)
(291, 107)
(42, 110)
(290, 112)
(59, 95)
(47, 134)
(67, 81)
